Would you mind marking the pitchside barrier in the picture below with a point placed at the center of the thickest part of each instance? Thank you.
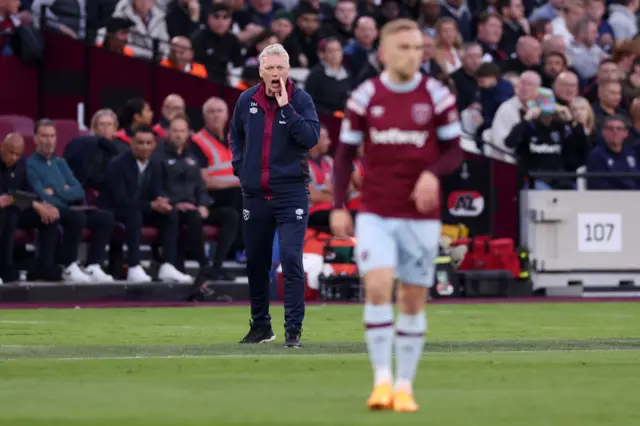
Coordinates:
(588, 240)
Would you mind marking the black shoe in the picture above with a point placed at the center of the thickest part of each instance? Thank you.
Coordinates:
(292, 339)
(259, 333)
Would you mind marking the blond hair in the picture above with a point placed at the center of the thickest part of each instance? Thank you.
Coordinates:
(396, 26)
(102, 113)
(273, 50)
(590, 125)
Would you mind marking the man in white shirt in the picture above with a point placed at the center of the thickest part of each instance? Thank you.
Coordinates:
(573, 12)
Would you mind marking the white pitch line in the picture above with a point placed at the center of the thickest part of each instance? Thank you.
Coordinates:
(22, 322)
(302, 355)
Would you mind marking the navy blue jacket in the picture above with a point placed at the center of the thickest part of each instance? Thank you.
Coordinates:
(603, 160)
(270, 145)
(88, 157)
(122, 192)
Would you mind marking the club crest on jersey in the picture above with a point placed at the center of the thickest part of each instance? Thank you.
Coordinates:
(421, 113)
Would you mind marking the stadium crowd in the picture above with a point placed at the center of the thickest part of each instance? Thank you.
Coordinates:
(553, 86)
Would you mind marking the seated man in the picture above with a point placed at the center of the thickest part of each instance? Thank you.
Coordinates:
(53, 181)
(134, 182)
(135, 112)
(40, 215)
(613, 156)
(320, 187)
(184, 187)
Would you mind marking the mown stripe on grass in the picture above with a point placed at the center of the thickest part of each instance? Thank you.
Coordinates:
(325, 348)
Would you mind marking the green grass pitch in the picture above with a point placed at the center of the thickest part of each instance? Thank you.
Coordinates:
(541, 364)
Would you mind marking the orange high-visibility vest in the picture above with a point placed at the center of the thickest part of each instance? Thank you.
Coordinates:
(320, 174)
(218, 156)
(193, 68)
(354, 197)
(126, 51)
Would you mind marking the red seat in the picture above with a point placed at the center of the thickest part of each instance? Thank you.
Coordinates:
(66, 130)
(25, 236)
(29, 146)
(19, 123)
(5, 129)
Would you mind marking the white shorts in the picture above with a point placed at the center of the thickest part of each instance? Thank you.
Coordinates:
(408, 246)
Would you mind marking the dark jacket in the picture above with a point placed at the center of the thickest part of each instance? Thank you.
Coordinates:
(270, 145)
(329, 89)
(466, 89)
(493, 97)
(216, 52)
(14, 178)
(54, 173)
(603, 160)
(123, 192)
(181, 177)
(558, 147)
(88, 157)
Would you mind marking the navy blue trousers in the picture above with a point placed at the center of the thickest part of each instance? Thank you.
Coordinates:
(261, 218)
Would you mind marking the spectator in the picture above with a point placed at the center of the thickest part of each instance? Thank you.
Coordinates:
(183, 17)
(40, 215)
(249, 78)
(554, 64)
(328, 82)
(320, 187)
(214, 157)
(607, 71)
(429, 16)
(255, 17)
(527, 56)
(465, 78)
(282, 26)
(515, 24)
(541, 29)
(448, 43)
(134, 185)
(554, 43)
(623, 20)
(564, 23)
(585, 54)
(257, 45)
(307, 31)
(609, 102)
(181, 58)
(325, 10)
(184, 187)
(88, 156)
(372, 68)
(583, 114)
(117, 36)
(388, 11)
(149, 23)
(624, 53)
(606, 36)
(548, 11)
(342, 25)
(215, 45)
(566, 88)
(357, 52)
(489, 35)
(172, 106)
(613, 157)
(429, 64)
(510, 112)
(66, 16)
(548, 143)
(492, 92)
(634, 135)
(54, 183)
(458, 10)
(134, 113)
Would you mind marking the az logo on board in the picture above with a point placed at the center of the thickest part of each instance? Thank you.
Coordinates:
(465, 203)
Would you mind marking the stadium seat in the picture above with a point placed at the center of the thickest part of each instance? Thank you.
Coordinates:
(25, 236)
(5, 129)
(21, 124)
(29, 146)
(67, 130)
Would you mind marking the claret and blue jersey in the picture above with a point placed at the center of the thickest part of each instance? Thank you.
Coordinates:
(270, 144)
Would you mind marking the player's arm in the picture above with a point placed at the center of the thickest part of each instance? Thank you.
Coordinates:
(352, 133)
(448, 128)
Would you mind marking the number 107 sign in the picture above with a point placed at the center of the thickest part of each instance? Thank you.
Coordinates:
(600, 232)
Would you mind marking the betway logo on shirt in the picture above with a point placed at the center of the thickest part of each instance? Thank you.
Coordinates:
(396, 136)
(545, 148)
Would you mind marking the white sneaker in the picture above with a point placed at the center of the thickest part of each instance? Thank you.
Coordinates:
(169, 274)
(97, 275)
(74, 274)
(136, 274)
(1, 281)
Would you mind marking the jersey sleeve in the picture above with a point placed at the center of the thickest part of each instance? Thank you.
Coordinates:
(353, 126)
(447, 120)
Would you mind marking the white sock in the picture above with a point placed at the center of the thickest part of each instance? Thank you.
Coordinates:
(410, 331)
(378, 323)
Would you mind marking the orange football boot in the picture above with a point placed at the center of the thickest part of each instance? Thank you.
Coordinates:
(403, 402)
(381, 398)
